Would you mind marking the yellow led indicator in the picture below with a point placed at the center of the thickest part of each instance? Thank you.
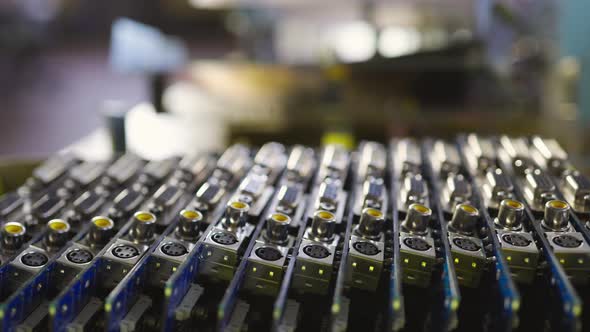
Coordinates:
(52, 310)
(456, 261)
(577, 310)
(396, 305)
(335, 308)
(271, 274)
(509, 258)
(108, 307)
(371, 268)
(302, 267)
(168, 292)
(1, 314)
(353, 264)
(515, 305)
(406, 260)
(527, 260)
(454, 304)
(321, 272)
(254, 269)
(580, 261)
(225, 258)
(423, 264)
(474, 265)
(174, 269)
(562, 261)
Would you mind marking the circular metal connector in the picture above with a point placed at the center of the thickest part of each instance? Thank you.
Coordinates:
(57, 233)
(366, 248)
(516, 239)
(417, 219)
(174, 249)
(323, 225)
(371, 223)
(34, 259)
(144, 226)
(189, 223)
(125, 251)
(236, 215)
(13, 235)
(567, 241)
(556, 215)
(510, 214)
(268, 253)
(277, 228)
(464, 219)
(466, 244)
(79, 256)
(417, 243)
(101, 230)
(224, 238)
(316, 251)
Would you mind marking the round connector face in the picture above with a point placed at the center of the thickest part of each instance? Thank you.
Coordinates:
(34, 259)
(366, 248)
(79, 256)
(417, 243)
(567, 241)
(316, 251)
(466, 244)
(125, 251)
(516, 240)
(269, 253)
(174, 249)
(224, 238)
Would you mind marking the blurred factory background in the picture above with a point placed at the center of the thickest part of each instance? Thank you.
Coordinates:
(197, 74)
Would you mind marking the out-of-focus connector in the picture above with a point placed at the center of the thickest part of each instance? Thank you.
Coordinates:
(496, 187)
(457, 190)
(270, 160)
(481, 156)
(466, 247)
(417, 250)
(334, 162)
(408, 157)
(576, 189)
(372, 161)
(516, 151)
(538, 189)
(548, 154)
(446, 161)
(414, 190)
(301, 164)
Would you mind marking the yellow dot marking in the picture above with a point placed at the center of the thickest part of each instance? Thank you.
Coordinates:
(514, 204)
(558, 204)
(14, 228)
(191, 214)
(102, 222)
(469, 209)
(280, 218)
(325, 215)
(239, 205)
(58, 225)
(421, 208)
(374, 212)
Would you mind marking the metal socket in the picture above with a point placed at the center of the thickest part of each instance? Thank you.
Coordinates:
(510, 214)
(556, 215)
(277, 228)
(371, 223)
(144, 226)
(13, 236)
(236, 215)
(189, 223)
(464, 219)
(323, 225)
(417, 219)
(102, 230)
(57, 233)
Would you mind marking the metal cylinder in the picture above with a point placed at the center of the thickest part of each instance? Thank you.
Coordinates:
(464, 219)
(510, 214)
(57, 233)
(101, 230)
(417, 219)
(13, 235)
(371, 223)
(189, 222)
(144, 226)
(277, 228)
(236, 215)
(323, 225)
(556, 215)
